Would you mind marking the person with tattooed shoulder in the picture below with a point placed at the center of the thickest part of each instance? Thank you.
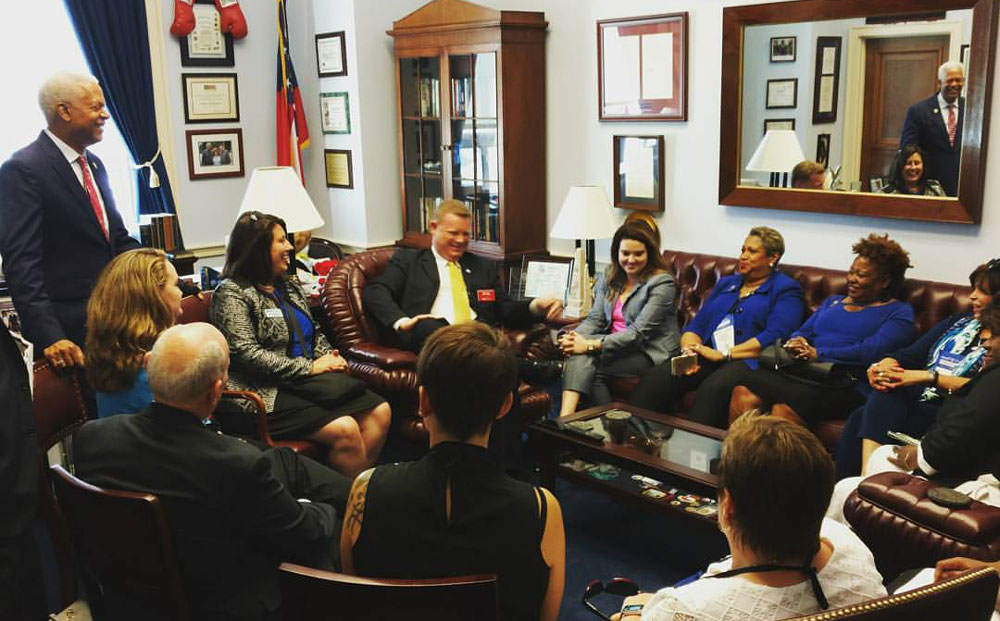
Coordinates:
(235, 511)
(455, 512)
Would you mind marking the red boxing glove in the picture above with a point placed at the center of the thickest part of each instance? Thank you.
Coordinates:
(231, 18)
(183, 18)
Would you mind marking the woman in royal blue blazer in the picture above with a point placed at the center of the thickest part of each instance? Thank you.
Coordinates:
(632, 325)
(744, 313)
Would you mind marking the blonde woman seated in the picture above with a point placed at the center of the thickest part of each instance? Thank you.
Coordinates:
(277, 351)
(775, 481)
(632, 325)
(136, 297)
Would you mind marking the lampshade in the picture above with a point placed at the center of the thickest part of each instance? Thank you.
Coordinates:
(278, 191)
(585, 214)
(778, 151)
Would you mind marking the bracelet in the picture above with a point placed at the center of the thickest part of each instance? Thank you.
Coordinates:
(729, 356)
(934, 379)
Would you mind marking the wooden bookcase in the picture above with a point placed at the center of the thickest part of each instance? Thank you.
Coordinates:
(471, 99)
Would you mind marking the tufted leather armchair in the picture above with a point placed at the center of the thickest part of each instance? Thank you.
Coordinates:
(696, 274)
(391, 372)
(905, 529)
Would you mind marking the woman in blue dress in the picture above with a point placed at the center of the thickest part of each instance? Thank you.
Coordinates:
(852, 331)
(910, 384)
(135, 298)
(744, 312)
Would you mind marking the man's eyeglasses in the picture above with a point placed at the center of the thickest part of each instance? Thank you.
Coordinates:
(616, 586)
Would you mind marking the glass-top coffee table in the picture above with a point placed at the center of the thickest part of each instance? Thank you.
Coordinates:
(659, 461)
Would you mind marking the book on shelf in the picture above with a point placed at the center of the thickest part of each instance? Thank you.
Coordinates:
(429, 99)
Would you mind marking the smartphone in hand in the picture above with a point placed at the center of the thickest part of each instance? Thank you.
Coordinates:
(680, 365)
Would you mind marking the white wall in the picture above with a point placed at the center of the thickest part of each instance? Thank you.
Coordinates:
(579, 147)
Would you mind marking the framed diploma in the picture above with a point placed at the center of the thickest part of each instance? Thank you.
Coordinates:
(642, 68)
(543, 276)
(331, 54)
(638, 172)
(827, 84)
(206, 46)
(210, 97)
(339, 172)
(336, 113)
(214, 153)
(782, 93)
(770, 124)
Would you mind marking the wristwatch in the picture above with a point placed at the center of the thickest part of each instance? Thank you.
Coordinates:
(590, 347)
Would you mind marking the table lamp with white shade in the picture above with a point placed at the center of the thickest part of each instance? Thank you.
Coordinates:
(585, 215)
(778, 152)
(277, 190)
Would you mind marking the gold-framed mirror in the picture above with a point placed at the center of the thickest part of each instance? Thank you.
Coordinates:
(754, 82)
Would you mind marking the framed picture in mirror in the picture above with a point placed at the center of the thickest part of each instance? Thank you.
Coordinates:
(783, 93)
(638, 172)
(642, 68)
(770, 124)
(827, 79)
(783, 49)
(823, 150)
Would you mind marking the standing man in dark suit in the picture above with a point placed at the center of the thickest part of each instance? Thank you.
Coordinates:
(21, 594)
(423, 290)
(58, 222)
(235, 512)
(935, 125)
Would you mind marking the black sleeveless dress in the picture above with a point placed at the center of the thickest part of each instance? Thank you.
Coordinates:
(495, 526)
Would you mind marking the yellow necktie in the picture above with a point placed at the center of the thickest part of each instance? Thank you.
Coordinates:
(459, 296)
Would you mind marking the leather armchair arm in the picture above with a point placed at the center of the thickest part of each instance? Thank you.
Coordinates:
(388, 358)
(257, 407)
(904, 529)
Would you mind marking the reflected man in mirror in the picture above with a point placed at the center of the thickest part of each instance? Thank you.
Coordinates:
(935, 125)
(808, 175)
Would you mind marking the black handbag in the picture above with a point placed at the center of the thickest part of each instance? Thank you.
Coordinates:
(829, 374)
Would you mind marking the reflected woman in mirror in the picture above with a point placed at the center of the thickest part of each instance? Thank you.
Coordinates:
(907, 176)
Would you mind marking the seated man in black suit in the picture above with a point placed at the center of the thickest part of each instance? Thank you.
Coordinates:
(423, 290)
(935, 125)
(236, 512)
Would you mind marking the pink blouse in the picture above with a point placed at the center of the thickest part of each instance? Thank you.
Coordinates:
(617, 318)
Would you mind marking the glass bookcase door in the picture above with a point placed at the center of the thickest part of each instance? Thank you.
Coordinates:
(420, 92)
(474, 150)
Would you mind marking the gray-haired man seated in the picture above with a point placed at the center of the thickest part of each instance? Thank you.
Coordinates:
(235, 511)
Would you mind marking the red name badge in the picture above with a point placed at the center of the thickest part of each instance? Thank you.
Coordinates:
(486, 295)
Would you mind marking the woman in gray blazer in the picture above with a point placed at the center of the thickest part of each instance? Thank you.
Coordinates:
(632, 325)
(278, 351)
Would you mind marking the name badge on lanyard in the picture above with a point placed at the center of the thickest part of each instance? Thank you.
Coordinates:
(273, 313)
(724, 337)
(947, 363)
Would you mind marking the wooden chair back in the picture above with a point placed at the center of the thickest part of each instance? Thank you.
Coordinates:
(122, 540)
(317, 595)
(969, 596)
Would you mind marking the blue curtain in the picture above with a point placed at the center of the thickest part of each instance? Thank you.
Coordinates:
(115, 41)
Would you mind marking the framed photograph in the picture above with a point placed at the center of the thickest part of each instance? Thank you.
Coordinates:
(876, 184)
(823, 150)
(207, 46)
(783, 93)
(542, 276)
(642, 68)
(210, 97)
(335, 111)
(778, 124)
(331, 54)
(827, 85)
(339, 171)
(638, 172)
(214, 153)
(782, 49)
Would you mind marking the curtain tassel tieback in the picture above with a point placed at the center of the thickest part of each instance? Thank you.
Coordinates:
(154, 179)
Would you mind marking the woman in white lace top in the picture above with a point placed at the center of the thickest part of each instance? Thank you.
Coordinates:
(775, 481)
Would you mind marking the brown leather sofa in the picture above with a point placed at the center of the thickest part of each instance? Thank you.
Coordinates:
(905, 529)
(391, 372)
(696, 274)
